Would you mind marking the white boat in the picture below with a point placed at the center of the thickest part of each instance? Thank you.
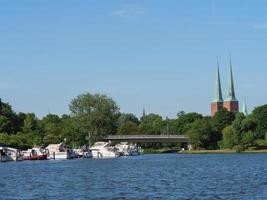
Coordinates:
(59, 151)
(82, 153)
(35, 153)
(123, 148)
(10, 154)
(104, 150)
(126, 149)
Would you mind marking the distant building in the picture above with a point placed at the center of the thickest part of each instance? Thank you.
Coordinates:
(230, 103)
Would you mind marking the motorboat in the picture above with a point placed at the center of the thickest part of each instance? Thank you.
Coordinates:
(59, 151)
(123, 148)
(104, 150)
(36, 153)
(126, 149)
(82, 153)
(10, 154)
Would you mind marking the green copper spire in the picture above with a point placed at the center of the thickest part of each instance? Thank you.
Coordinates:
(218, 88)
(245, 109)
(231, 88)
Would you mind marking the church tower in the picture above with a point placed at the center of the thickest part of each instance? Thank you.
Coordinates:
(217, 103)
(231, 103)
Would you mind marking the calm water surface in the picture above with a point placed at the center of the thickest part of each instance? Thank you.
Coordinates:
(168, 176)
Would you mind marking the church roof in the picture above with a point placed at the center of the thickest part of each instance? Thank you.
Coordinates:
(218, 89)
(231, 87)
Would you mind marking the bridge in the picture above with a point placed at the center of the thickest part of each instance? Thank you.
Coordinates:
(147, 138)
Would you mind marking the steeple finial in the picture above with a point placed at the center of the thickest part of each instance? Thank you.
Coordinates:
(231, 88)
(218, 88)
(245, 109)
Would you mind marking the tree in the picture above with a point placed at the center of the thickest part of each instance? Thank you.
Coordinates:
(52, 126)
(128, 117)
(222, 119)
(71, 132)
(184, 120)
(30, 123)
(97, 114)
(9, 121)
(151, 124)
(128, 128)
(240, 135)
(228, 137)
(237, 128)
(199, 134)
(260, 115)
(247, 139)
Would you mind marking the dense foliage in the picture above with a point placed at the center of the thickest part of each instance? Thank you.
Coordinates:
(97, 115)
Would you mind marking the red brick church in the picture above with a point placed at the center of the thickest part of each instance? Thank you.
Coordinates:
(230, 102)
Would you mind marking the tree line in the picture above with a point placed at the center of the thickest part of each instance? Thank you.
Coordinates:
(93, 116)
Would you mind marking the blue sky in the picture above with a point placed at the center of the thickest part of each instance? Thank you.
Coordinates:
(160, 55)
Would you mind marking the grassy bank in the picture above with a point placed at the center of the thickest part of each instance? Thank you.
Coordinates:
(220, 151)
(223, 151)
(162, 150)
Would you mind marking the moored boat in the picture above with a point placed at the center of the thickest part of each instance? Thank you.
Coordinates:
(36, 153)
(126, 149)
(10, 154)
(60, 151)
(104, 150)
(82, 153)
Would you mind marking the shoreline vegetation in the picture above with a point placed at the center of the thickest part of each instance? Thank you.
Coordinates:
(219, 151)
(94, 116)
(225, 151)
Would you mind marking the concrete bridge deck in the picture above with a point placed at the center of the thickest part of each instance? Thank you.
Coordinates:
(148, 138)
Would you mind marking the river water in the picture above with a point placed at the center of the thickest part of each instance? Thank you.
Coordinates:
(165, 176)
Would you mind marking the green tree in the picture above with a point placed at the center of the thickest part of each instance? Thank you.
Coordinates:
(199, 134)
(228, 137)
(52, 128)
(238, 128)
(30, 123)
(248, 139)
(70, 131)
(128, 128)
(182, 123)
(97, 114)
(9, 121)
(241, 134)
(128, 117)
(260, 115)
(222, 119)
(151, 124)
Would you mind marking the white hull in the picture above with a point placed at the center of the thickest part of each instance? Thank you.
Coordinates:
(104, 150)
(7, 159)
(61, 155)
(81, 153)
(59, 152)
(103, 154)
(126, 149)
(10, 154)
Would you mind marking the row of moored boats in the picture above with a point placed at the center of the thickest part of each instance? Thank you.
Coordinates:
(62, 151)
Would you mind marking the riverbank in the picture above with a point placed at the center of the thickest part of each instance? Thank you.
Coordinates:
(220, 151)
(223, 151)
(160, 151)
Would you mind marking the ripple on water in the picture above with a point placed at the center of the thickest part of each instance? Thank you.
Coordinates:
(169, 176)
